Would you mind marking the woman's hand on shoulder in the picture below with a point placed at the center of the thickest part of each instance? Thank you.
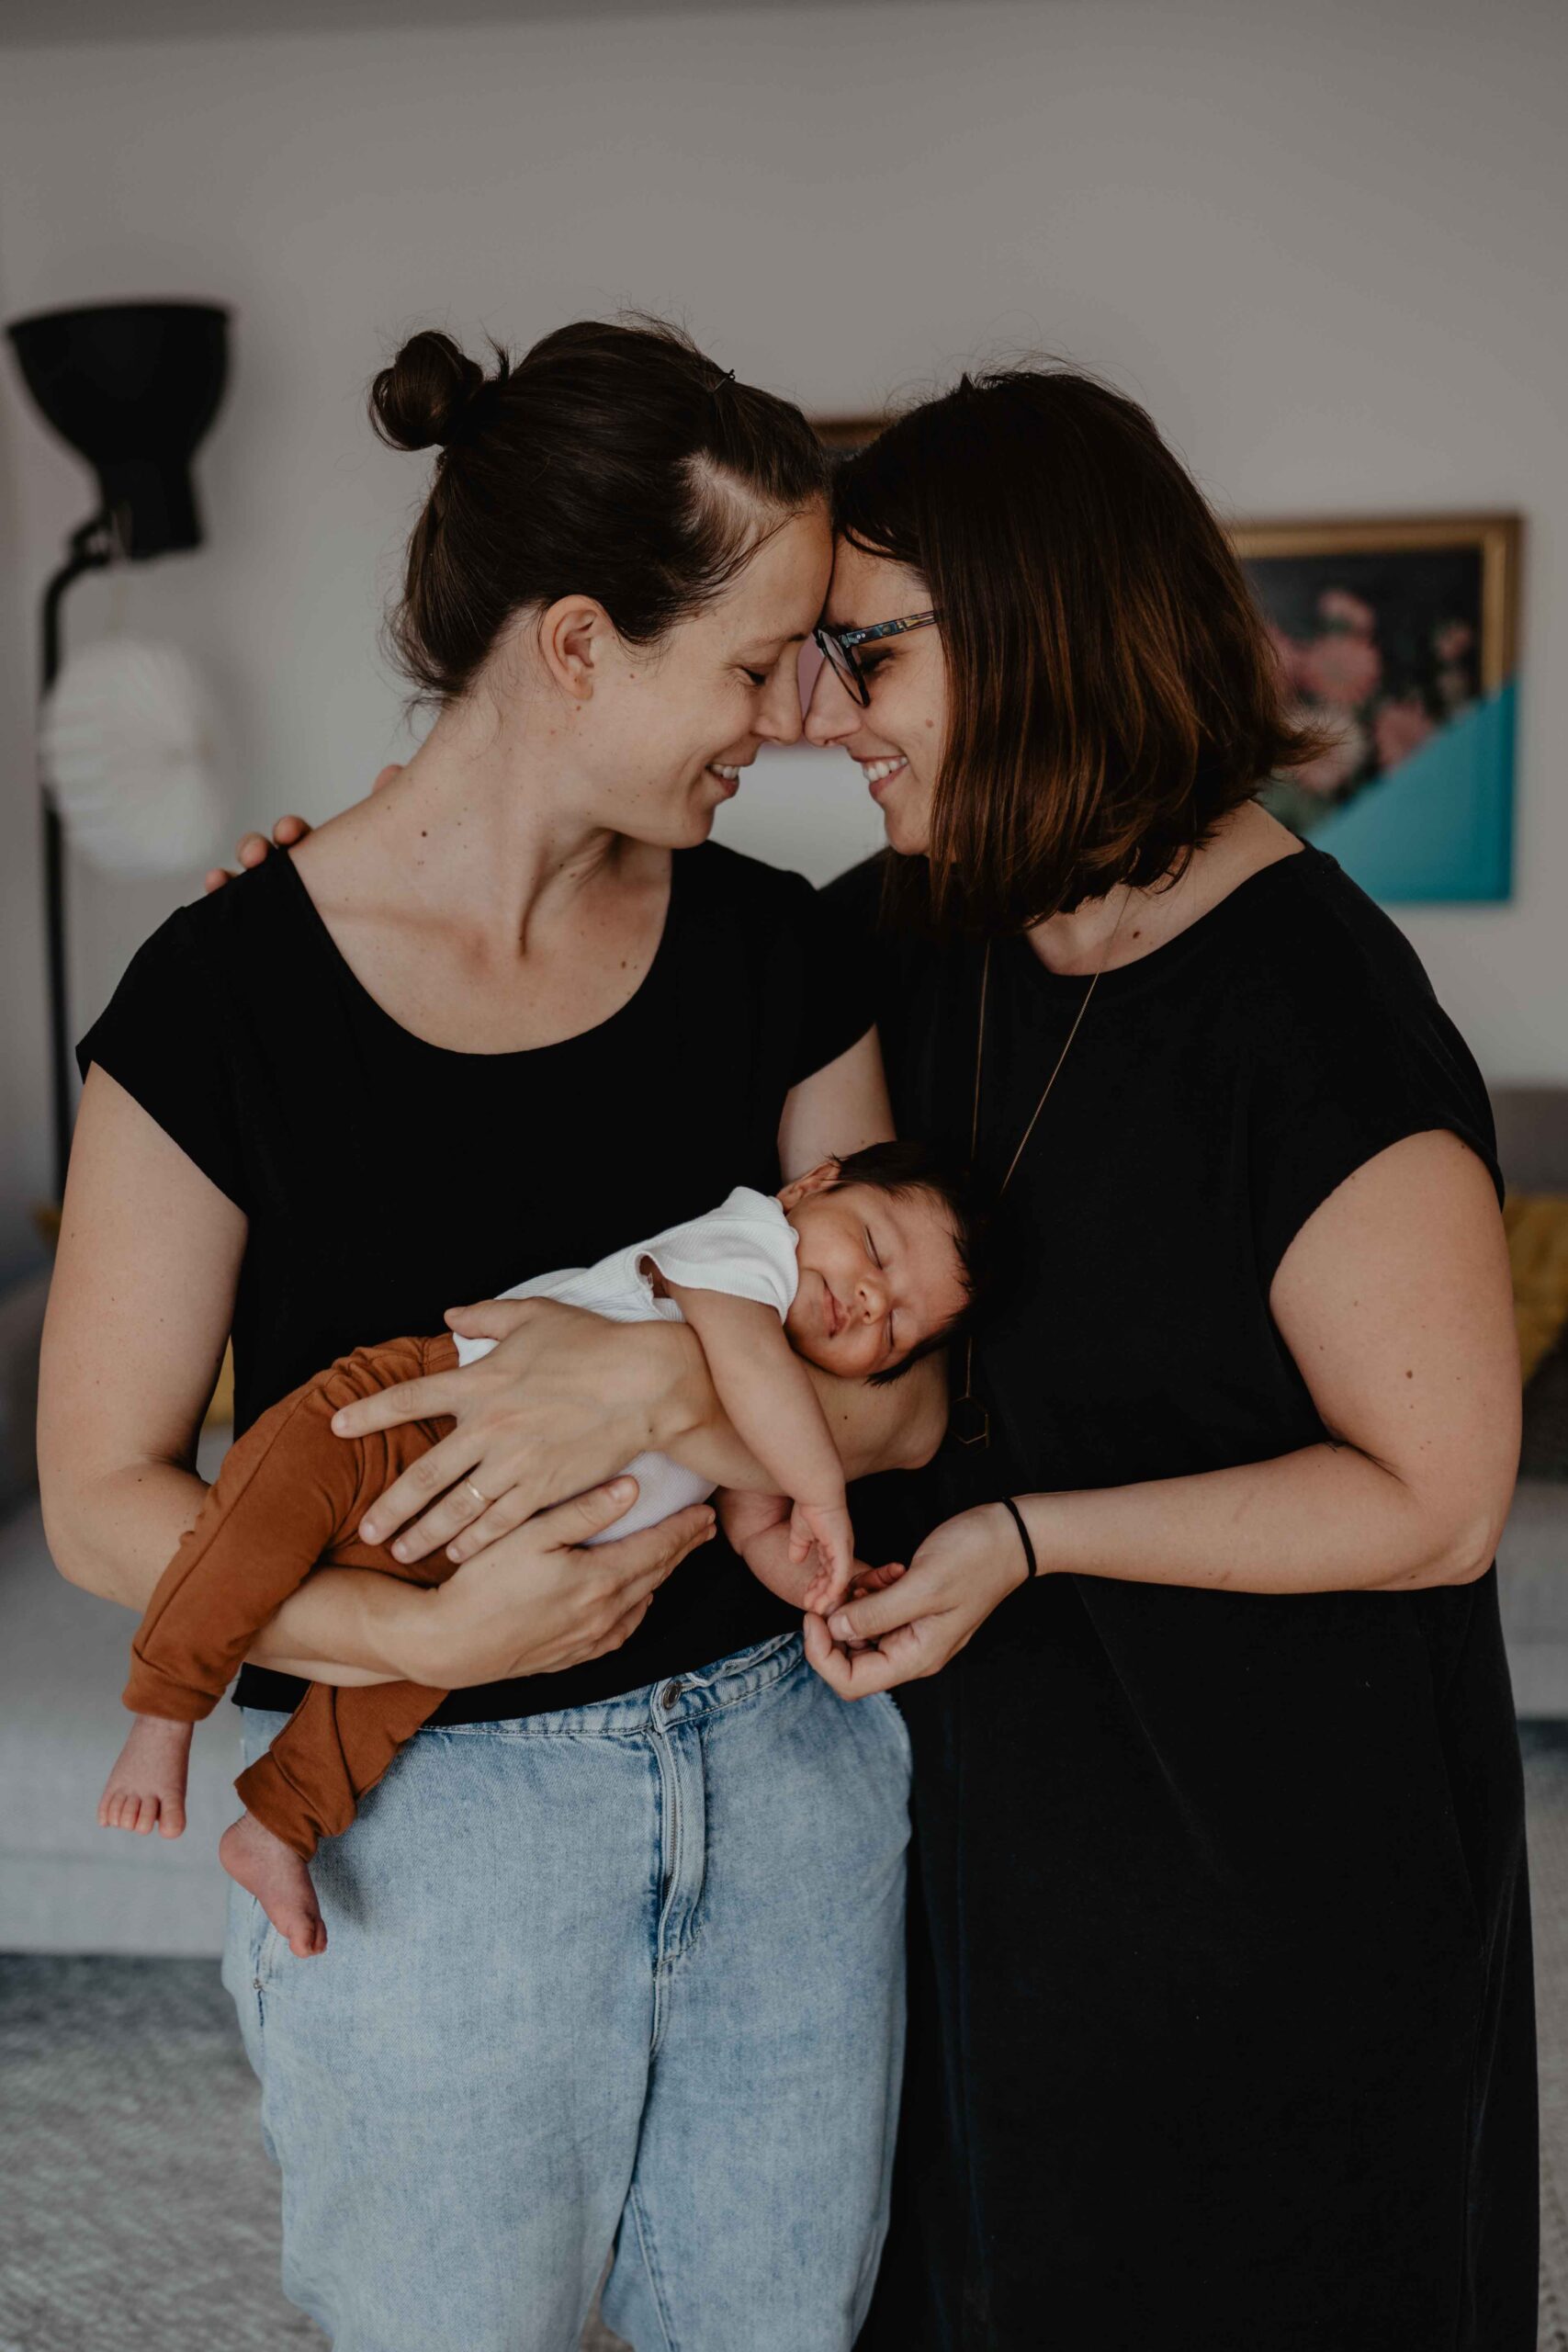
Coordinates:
(251, 848)
(925, 1617)
(537, 1602)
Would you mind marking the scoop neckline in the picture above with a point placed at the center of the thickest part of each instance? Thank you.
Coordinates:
(410, 1037)
(1126, 979)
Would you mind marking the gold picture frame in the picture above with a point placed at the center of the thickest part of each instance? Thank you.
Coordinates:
(1396, 637)
(1498, 537)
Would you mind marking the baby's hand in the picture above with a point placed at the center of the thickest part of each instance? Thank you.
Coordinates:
(829, 1527)
(870, 1580)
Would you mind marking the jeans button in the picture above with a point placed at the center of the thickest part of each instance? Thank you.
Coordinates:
(671, 1694)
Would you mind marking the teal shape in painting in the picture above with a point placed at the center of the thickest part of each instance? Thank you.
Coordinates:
(1440, 826)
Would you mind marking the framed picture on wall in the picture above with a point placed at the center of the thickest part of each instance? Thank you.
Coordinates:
(1397, 636)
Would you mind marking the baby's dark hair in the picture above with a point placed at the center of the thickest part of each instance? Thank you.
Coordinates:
(903, 1167)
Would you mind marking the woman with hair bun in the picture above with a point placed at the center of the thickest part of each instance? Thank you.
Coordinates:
(615, 1946)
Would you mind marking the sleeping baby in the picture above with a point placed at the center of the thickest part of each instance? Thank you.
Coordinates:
(860, 1267)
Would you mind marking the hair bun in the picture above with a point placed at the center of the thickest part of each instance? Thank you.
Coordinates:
(424, 398)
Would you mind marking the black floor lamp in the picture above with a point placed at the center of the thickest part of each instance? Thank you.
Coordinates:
(132, 387)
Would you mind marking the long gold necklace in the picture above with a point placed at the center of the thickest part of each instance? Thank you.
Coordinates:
(968, 1421)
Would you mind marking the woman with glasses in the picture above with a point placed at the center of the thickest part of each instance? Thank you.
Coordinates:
(1223, 2037)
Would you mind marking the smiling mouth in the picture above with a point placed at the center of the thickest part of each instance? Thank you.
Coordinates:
(726, 776)
(832, 1313)
(880, 772)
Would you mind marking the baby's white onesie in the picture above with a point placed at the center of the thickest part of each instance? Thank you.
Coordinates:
(745, 1247)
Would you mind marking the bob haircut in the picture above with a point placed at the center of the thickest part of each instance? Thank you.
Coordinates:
(1112, 692)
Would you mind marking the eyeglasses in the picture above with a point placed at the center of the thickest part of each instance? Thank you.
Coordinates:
(838, 648)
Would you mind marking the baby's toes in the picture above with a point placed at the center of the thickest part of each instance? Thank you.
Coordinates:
(304, 1926)
(171, 1818)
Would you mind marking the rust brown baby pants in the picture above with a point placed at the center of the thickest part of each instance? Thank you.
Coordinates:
(287, 1500)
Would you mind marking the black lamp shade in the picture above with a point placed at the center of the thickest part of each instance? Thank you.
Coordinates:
(132, 387)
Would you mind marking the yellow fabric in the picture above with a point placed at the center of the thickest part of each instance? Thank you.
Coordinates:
(1536, 1227)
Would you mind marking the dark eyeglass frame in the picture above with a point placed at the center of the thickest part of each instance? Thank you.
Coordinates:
(837, 647)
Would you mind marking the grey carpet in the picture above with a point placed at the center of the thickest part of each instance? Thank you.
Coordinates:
(141, 2213)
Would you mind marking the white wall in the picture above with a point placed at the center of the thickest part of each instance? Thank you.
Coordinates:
(1321, 241)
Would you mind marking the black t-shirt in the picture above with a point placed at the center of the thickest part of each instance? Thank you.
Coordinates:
(386, 1178)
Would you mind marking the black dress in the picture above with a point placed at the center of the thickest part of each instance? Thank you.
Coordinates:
(1222, 2027)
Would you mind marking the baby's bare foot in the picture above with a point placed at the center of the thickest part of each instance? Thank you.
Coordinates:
(147, 1788)
(280, 1882)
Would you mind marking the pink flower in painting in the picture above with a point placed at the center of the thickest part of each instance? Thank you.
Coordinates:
(1341, 669)
(1453, 641)
(1400, 727)
(1333, 767)
(1341, 610)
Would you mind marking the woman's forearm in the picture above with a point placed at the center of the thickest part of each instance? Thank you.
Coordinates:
(1326, 1520)
(343, 1626)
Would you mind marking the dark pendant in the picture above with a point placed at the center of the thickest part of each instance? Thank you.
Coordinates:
(968, 1423)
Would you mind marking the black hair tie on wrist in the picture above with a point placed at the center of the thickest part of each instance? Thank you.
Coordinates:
(1009, 1504)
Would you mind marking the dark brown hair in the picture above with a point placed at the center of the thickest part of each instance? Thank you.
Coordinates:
(613, 460)
(907, 1167)
(1112, 693)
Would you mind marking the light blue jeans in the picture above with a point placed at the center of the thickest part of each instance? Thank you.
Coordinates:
(627, 1976)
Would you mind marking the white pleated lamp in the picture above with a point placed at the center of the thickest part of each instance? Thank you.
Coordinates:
(131, 752)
